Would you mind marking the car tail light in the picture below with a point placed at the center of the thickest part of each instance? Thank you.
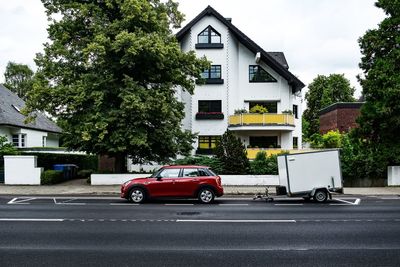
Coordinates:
(219, 180)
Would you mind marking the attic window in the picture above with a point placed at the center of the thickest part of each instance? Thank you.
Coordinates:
(209, 38)
(16, 108)
(258, 74)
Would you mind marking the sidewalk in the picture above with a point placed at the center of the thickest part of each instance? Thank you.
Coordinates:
(80, 187)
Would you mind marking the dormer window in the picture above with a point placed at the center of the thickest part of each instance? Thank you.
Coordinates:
(209, 38)
(260, 75)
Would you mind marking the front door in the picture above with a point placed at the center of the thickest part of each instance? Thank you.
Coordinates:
(164, 184)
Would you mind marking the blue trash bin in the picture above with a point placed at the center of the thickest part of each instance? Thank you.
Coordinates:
(69, 170)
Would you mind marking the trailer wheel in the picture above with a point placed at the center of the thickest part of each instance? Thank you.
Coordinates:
(320, 196)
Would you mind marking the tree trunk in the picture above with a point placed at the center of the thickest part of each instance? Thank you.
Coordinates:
(120, 163)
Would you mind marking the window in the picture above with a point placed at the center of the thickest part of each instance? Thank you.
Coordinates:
(19, 140)
(213, 73)
(295, 142)
(210, 105)
(295, 112)
(169, 173)
(208, 142)
(264, 141)
(15, 140)
(209, 36)
(258, 74)
(44, 141)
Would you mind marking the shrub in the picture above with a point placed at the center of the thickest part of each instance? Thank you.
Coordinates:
(240, 111)
(51, 177)
(84, 173)
(258, 109)
(7, 148)
(264, 165)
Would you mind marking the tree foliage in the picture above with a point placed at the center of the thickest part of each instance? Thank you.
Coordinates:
(380, 115)
(322, 92)
(18, 78)
(232, 153)
(6, 148)
(108, 75)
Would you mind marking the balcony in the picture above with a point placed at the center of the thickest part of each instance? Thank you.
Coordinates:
(266, 119)
(252, 152)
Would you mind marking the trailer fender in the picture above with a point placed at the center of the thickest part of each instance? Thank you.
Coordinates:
(312, 193)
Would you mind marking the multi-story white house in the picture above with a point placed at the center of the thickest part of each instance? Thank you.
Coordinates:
(241, 76)
(41, 133)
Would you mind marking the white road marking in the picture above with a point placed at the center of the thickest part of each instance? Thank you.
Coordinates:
(178, 204)
(357, 202)
(288, 204)
(239, 221)
(233, 204)
(124, 204)
(23, 201)
(29, 220)
(77, 204)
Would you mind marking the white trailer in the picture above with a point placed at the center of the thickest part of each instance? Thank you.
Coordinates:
(310, 175)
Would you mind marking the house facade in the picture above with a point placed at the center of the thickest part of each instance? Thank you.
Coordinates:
(41, 133)
(242, 75)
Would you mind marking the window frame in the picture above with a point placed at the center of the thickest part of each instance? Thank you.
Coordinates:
(209, 30)
(260, 69)
(210, 108)
(296, 111)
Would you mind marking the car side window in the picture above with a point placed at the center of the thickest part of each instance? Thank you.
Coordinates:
(190, 173)
(169, 173)
(202, 172)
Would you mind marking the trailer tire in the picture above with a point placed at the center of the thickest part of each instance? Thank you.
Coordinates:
(320, 196)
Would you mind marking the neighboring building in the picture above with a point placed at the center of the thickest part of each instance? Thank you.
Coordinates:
(241, 76)
(339, 116)
(41, 133)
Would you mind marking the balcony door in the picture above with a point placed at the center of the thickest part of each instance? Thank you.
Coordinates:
(264, 141)
(272, 107)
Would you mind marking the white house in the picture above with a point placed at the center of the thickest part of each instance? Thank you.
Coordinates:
(41, 133)
(241, 76)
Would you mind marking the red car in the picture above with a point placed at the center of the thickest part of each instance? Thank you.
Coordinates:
(175, 181)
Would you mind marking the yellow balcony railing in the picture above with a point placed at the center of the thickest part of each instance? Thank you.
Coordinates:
(252, 152)
(256, 119)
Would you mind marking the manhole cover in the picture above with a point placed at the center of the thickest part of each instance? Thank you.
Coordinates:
(188, 213)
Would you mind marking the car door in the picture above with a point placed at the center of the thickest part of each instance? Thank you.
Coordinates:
(188, 183)
(163, 184)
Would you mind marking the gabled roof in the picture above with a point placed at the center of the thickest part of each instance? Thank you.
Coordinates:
(272, 59)
(10, 116)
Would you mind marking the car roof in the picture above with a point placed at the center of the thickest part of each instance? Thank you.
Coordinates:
(185, 166)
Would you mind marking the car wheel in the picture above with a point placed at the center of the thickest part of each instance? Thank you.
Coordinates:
(320, 196)
(137, 195)
(206, 195)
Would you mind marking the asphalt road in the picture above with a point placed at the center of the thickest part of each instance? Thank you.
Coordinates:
(63, 231)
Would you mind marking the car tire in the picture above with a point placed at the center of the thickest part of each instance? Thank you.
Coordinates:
(206, 195)
(137, 195)
(320, 196)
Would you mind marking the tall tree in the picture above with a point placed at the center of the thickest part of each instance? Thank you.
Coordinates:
(380, 115)
(232, 153)
(18, 78)
(108, 75)
(322, 92)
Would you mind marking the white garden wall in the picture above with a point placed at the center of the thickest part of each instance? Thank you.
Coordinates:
(393, 175)
(21, 170)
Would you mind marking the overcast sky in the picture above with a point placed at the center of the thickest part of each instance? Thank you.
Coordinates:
(317, 36)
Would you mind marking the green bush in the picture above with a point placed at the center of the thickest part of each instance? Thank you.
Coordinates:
(264, 165)
(51, 177)
(84, 173)
(258, 109)
(47, 160)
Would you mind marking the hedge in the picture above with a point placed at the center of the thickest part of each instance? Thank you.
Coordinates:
(47, 160)
(51, 177)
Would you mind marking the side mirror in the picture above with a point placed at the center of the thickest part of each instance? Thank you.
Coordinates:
(159, 178)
